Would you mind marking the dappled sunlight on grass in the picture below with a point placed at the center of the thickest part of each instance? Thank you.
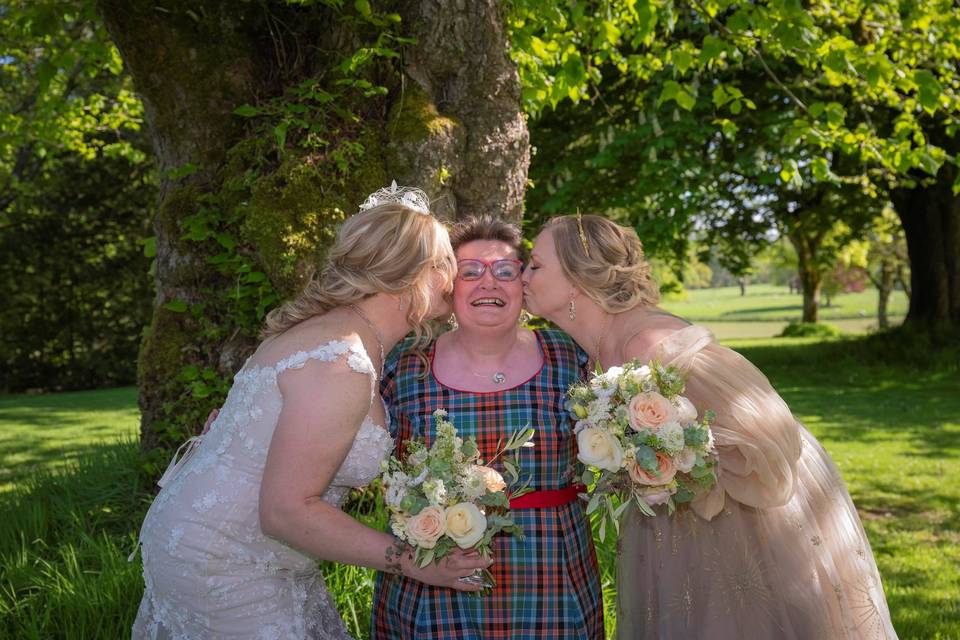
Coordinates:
(48, 430)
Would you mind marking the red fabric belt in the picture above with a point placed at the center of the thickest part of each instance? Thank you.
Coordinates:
(549, 498)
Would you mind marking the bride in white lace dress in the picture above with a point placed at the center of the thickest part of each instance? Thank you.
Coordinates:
(230, 544)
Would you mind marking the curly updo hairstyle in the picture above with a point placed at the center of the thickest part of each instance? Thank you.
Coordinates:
(606, 263)
(389, 248)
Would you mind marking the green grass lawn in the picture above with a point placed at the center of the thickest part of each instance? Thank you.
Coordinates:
(49, 430)
(765, 310)
(887, 412)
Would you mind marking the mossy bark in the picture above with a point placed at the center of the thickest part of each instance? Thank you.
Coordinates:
(450, 122)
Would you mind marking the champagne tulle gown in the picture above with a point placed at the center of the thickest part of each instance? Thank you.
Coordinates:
(775, 550)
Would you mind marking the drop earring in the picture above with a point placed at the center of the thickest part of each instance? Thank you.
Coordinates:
(572, 310)
(452, 322)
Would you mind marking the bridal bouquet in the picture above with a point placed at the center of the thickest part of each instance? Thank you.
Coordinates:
(443, 496)
(641, 439)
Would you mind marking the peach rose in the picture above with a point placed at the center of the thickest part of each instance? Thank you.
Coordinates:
(425, 528)
(466, 524)
(664, 465)
(650, 411)
(492, 478)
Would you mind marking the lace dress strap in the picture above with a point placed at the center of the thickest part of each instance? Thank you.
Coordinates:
(357, 360)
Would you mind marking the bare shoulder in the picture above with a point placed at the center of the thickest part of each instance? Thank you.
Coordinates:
(333, 383)
(330, 391)
(643, 337)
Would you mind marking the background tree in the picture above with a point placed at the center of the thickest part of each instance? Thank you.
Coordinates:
(75, 190)
(271, 121)
(881, 257)
(872, 86)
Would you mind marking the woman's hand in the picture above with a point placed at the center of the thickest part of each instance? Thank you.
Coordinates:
(448, 571)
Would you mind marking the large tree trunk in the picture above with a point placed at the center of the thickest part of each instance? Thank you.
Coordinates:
(931, 221)
(809, 273)
(450, 123)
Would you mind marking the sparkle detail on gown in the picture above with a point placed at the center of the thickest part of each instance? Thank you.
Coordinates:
(208, 569)
(775, 550)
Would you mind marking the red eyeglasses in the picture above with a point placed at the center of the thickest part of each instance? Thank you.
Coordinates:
(506, 270)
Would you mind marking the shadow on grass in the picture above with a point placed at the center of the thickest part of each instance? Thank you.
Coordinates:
(51, 429)
(883, 387)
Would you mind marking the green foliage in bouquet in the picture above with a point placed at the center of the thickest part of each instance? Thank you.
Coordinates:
(443, 496)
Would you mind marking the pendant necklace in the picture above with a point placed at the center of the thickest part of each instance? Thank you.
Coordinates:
(498, 377)
(373, 328)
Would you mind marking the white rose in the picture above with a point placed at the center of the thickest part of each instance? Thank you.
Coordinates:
(598, 448)
(671, 435)
(466, 524)
(685, 460)
(425, 528)
(686, 412)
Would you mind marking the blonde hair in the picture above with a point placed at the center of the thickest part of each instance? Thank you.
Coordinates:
(389, 248)
(605, 260)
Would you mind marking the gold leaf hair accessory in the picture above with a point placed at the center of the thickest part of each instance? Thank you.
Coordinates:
(583, 236)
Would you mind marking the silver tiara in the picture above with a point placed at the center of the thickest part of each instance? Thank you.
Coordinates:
(410, 197)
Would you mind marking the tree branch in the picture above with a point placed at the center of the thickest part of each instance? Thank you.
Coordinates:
(753, 51)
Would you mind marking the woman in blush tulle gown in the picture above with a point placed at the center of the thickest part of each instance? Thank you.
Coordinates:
(230, 544)
(775, 549)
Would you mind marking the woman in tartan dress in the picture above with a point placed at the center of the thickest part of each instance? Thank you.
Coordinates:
(494, 378)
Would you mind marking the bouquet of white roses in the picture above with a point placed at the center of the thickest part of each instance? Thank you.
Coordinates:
(641, 439)
(444, 496)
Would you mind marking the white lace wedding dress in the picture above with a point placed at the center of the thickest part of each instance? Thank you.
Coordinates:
(210, 572)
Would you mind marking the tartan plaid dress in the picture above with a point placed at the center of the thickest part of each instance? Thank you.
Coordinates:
(548, 586)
